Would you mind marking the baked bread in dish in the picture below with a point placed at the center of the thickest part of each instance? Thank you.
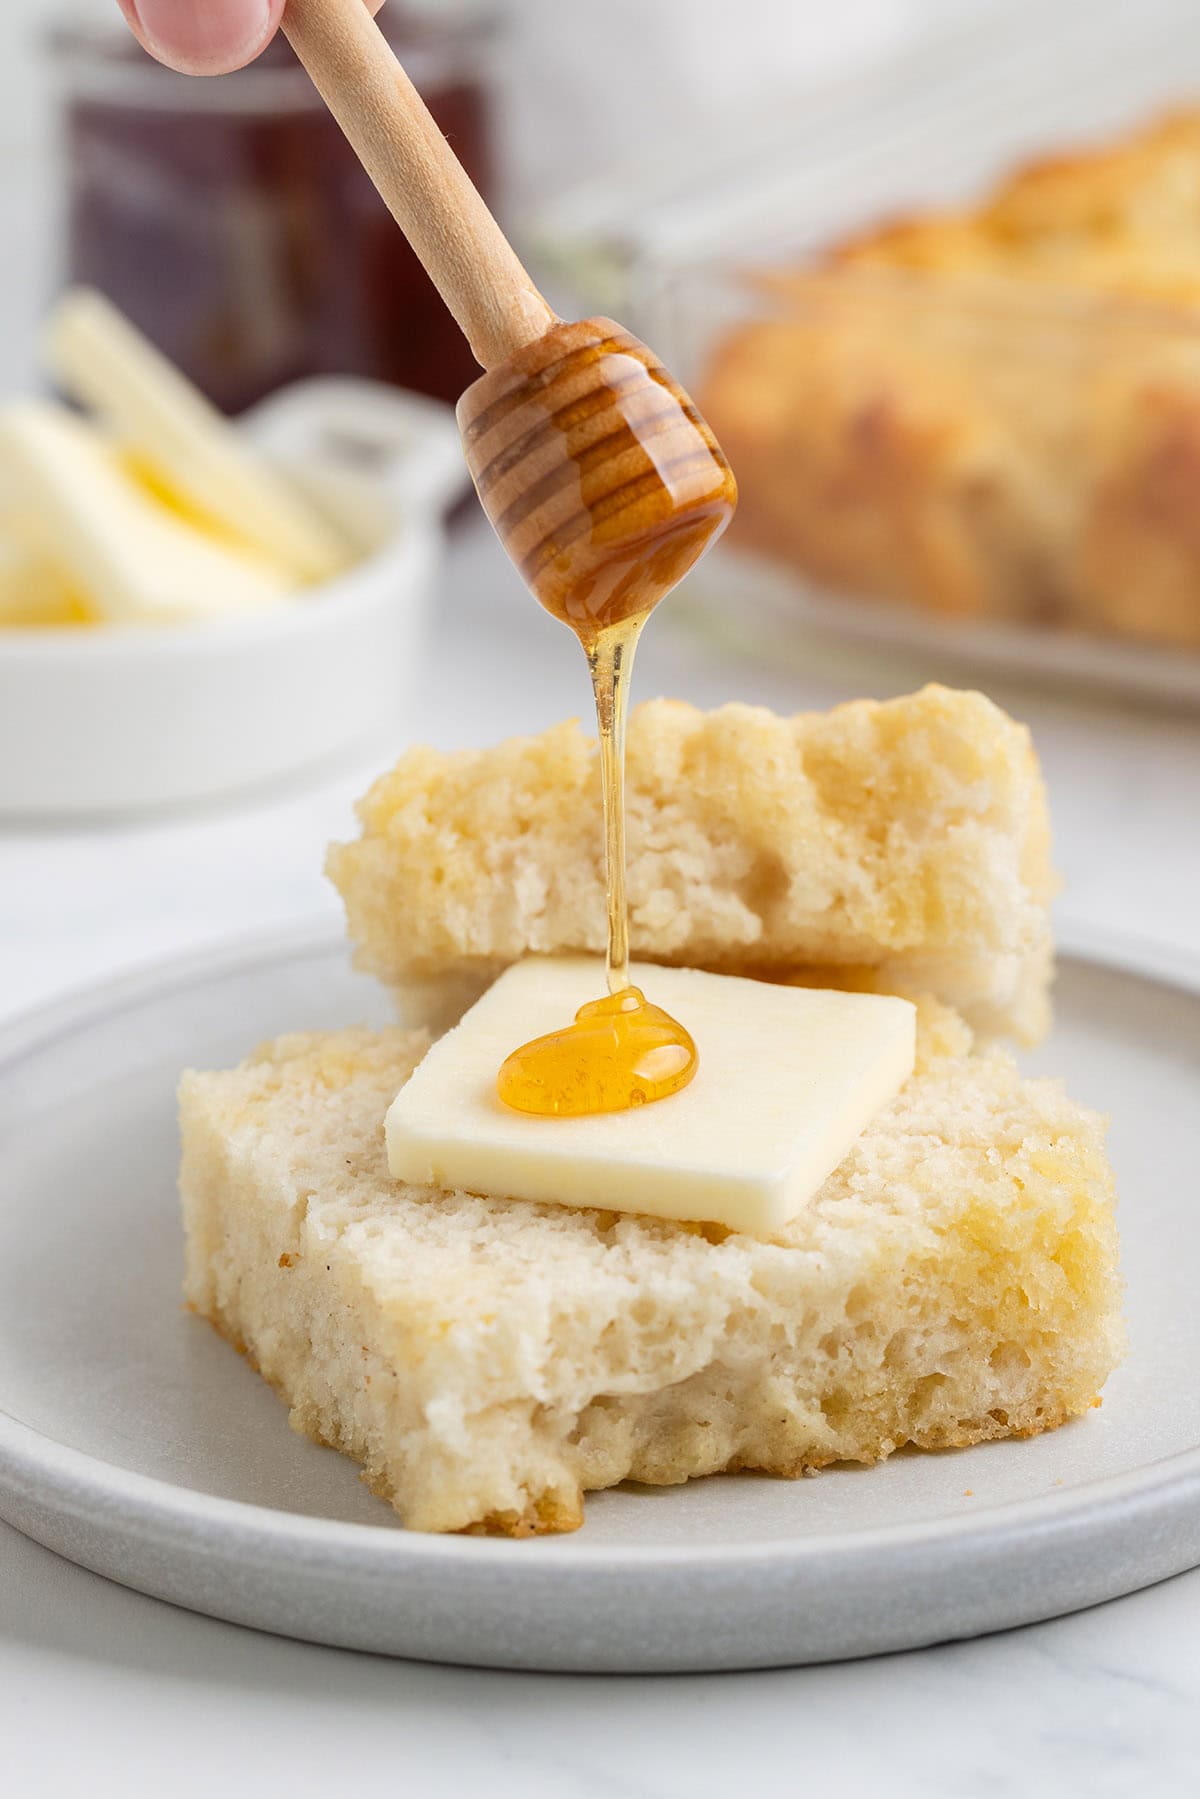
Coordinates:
(990, 413)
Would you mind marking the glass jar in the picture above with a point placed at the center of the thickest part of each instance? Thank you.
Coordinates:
(230, 219)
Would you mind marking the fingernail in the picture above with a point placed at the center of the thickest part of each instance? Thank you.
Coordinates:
(204, 39)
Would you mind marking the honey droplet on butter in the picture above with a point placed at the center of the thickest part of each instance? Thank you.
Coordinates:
(620, 1052)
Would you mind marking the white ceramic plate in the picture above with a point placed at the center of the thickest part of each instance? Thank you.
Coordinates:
(135, 1442)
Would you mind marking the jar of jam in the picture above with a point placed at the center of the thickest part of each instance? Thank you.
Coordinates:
(229, 218)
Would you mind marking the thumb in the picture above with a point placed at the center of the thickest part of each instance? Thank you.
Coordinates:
(206, 39)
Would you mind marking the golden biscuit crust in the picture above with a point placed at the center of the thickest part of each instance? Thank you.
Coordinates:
(908, 837)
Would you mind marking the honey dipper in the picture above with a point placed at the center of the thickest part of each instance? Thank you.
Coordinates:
(601, 479)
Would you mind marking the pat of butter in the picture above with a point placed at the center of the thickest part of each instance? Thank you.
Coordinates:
(131, 557)
(789, 1078)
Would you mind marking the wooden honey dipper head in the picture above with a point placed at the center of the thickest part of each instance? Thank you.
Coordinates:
(601, 478)
(603, 482)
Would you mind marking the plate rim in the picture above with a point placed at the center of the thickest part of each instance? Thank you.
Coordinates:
(35, 1467)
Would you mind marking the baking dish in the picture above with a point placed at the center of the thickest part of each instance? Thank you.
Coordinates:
(935, 454)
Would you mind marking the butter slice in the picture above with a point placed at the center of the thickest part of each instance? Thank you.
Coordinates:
(789, 1078)
(77, 508)
(154, 411)
(33, 590)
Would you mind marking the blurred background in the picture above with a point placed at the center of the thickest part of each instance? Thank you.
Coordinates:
(962, 399)
(566, 102)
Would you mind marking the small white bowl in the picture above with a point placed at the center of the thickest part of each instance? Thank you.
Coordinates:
(127, 718)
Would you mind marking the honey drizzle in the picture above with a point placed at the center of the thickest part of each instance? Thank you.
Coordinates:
(610, 656)
(620, 1051)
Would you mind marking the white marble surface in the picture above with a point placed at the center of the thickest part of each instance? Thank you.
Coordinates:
(116, 1696)
(104, 1691)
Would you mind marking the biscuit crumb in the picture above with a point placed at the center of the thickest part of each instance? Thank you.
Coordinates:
(529, 1353)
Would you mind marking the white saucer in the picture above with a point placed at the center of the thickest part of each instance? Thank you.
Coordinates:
(135, 1442)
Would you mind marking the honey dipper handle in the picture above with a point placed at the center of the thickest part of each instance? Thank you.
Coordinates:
(427, 190)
